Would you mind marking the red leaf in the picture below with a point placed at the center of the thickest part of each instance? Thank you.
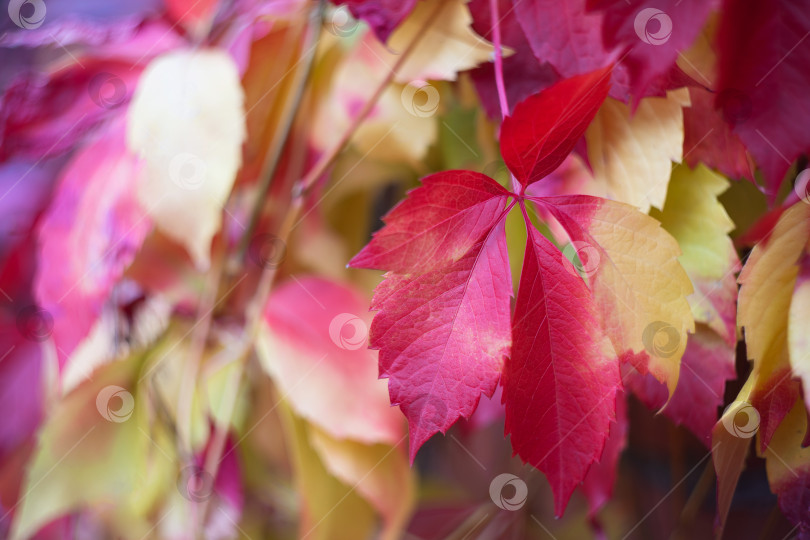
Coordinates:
(652, 32)
(545, 128)
(598, 484)
(708, 139)
(437, 224)
(564, 35)
(560, 382)
(443, 336)
(707, 364)
(763, 79)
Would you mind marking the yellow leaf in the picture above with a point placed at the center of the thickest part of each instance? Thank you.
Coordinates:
(187, 122)
(767, 282)
(767, 285)
(631, 153)
(799, 323)
(448, 47)
(379, 472)
(697, 220)
(329, 508)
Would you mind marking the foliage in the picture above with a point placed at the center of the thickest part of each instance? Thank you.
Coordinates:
(561, 193)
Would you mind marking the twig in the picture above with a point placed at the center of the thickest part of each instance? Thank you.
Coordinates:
(273, 158)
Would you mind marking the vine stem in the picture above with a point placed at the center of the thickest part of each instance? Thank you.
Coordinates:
(517, 187)
(323, 164)
(273, 158)
(496, 41)
(254, 309)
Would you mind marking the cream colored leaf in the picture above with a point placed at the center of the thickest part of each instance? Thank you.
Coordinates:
(768, 281)
(631, 153)
(447, 47)
(187, 122)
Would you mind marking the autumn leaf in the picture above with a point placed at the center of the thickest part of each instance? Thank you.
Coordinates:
(560, 381)
(631, 152)
(314, 346)
(639, 286)
(767, 282)
(694, 216)
(544, 128)
(763, 54)
(444, 313)
(187, 123)
(89, 235)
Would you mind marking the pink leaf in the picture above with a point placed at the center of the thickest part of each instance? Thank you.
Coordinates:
(443, 336)
(88, 237)
(316, 352)
(544, 128)
(560, 382)
(564, 35)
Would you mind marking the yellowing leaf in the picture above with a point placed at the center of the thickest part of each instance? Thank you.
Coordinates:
(187, 122)
(731, 438)
(697, 220)
(379, 472)
(799, 323)
(96, 448)
(314, 345)
(631, 153)
(447, 47)
(639, 285)
(768, 279)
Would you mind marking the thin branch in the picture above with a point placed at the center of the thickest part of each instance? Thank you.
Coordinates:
(273, 158)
